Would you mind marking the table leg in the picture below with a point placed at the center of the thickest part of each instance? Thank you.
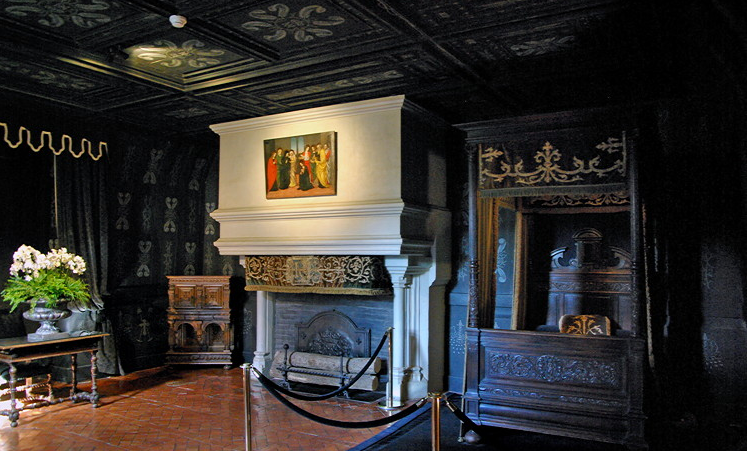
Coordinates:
(73, 375)
(13, 414)
(94, 392)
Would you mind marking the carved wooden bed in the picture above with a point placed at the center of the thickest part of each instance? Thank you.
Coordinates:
(535, 182)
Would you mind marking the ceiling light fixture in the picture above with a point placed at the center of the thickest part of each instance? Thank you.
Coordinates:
(177, 21)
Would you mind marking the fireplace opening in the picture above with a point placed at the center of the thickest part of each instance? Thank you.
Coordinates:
(332, 325)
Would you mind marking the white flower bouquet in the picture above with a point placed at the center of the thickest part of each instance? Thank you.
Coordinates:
(54, 277)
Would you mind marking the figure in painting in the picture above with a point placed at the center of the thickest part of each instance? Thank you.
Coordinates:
(304, 183)
(320, 158)
(293, 171)
(272, 173)
(307, 162)
(283, 165)
(330, 168)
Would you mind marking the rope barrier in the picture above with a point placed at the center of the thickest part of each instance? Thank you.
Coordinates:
(352, 381)
(462, 416)
(336, 423)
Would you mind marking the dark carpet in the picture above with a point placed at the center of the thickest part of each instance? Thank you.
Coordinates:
(414, 433)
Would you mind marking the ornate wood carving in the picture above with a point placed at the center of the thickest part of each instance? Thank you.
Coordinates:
(199, 318)
(547, 396)
(579, 200)
(546, 381)
(551, 368)
(597, 281)
(474, 265)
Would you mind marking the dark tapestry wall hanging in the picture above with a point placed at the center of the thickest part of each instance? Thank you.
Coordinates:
(576, 163)
(344, 274)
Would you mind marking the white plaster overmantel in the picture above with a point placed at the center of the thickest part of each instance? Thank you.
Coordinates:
(372, 213)
(390, 202)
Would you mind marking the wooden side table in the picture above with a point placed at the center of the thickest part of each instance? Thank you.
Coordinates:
(19, 350)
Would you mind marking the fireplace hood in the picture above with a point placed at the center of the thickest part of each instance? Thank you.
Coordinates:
(390, 201)
(390, 184)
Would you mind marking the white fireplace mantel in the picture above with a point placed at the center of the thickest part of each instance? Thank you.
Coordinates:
(390, 201)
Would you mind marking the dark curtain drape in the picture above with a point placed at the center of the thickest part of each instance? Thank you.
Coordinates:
(82, 227)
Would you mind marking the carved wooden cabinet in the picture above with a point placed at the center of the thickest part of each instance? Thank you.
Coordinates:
(199, 317)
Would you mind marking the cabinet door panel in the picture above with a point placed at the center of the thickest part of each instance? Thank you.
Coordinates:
(185, 297)
(214, 297)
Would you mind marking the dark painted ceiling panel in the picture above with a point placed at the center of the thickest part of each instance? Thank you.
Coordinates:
(234, 59)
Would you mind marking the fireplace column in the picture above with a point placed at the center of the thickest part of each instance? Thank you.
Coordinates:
(397, 267)
(265, 331)
(410, 335)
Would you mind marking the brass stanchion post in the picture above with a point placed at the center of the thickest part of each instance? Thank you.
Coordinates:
(247, 407)
(389, 403)
(435, 420)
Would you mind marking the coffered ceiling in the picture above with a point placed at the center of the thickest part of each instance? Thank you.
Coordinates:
(234, 59)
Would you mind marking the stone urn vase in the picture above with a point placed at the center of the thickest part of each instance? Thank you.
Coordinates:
(47, 316)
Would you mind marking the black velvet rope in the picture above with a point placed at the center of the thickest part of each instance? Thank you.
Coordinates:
(336, 423)
(352, 381)
(462, 416)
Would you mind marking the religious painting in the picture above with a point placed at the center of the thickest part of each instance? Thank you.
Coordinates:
(301, 166)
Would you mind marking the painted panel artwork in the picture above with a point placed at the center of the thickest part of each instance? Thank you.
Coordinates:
(301, 166)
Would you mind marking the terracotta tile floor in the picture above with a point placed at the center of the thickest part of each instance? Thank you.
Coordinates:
(183, 409)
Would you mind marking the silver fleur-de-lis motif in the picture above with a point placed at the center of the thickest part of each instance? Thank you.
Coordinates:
(190, 53)
(169, 224)
(150, 175)
(502, 261)
(189, 268)
(56, 13)
(168, 257)
(143, 270)
(192, 216)
(194, 182)
(279, 22)
(123, 210)
(147, 213)
(209, 221)
(227, 269)
(457, 338)
(62, 81)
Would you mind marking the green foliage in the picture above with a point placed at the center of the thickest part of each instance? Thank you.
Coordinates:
(54, 286)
